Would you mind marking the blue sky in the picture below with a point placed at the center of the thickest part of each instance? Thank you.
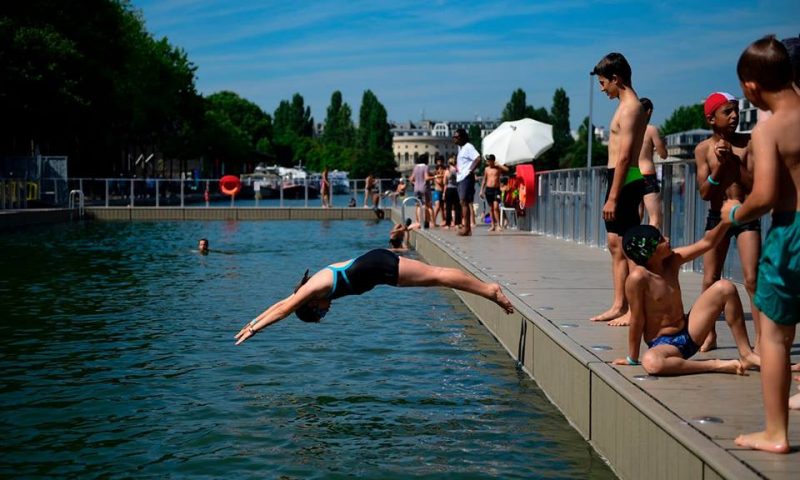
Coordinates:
(458, 60)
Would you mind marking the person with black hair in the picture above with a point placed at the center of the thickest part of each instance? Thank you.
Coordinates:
(625, 181)
(312, 297)
(656, 307)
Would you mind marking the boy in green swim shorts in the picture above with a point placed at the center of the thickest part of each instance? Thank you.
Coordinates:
(625, 180)
(765, 74)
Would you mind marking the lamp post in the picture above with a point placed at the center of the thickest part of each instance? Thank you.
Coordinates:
(590, 129)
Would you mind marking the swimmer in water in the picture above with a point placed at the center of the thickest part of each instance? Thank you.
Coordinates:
(202, 246)
(312, 298)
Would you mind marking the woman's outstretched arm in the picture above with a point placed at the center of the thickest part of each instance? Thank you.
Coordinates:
(316, 287)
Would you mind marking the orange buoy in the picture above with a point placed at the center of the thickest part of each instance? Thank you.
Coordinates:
(230, 185)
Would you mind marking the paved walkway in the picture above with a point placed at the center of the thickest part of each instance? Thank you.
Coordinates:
(567, 283)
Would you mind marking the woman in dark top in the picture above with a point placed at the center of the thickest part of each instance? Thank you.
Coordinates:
(312, 298)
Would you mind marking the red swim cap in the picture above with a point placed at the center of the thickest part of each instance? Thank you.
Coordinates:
(716, 100)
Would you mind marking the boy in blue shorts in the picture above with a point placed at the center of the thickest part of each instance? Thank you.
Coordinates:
(765, 74)
(656, 307)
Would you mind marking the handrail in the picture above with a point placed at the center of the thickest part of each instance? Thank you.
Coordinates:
(403, 206)
(72, 195)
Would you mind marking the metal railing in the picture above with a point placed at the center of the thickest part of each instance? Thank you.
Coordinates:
(158, 192)
(569, 206)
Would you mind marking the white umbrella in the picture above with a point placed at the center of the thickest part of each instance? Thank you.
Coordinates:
(519, 141)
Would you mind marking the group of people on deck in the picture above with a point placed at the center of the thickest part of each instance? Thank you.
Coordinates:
(742, 176)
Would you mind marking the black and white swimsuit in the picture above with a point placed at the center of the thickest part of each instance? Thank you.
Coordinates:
(362, 274)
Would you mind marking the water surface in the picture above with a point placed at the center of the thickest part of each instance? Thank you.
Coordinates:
(118, 360)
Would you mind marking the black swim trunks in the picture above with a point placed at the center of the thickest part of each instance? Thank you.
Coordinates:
(362, 274)
(627, 213)
(715, 217)
(492, 194)
(651, 184)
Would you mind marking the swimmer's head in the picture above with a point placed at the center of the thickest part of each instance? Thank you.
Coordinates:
(310, 311)
(202, 245)
(640, 242)
(379, 213)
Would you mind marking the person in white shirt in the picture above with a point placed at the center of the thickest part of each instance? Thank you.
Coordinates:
(467, 159)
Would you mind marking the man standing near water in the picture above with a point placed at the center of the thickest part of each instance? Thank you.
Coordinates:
(468, 158)
(625, 181)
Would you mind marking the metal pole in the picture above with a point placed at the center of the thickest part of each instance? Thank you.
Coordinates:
(106, 193)
(591, 129)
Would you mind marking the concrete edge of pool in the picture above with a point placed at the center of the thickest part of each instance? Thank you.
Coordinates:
(620, 421)
(21, 218)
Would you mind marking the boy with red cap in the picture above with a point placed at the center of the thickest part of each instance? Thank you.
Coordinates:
(725, 172)
(765, 74)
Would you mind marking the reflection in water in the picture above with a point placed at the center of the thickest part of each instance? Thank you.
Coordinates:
(118, 360)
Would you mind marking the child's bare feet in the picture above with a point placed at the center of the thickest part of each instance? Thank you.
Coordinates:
(499, 298)
(794, 401)
(750, 360)
(622, 321)
(710, 342)
(610, 314)
(760, 441)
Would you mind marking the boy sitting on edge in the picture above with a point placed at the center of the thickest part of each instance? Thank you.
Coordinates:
(656, 307)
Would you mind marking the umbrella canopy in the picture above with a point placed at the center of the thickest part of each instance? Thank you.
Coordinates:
(518, 141)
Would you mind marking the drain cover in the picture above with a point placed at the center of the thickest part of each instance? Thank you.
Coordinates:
(705, 420)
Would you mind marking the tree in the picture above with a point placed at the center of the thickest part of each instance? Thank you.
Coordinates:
(516, 108)
(475, 139)
(576, 155)
(684, 118)
(292, 126)
(562, 135)
(236, 128)
(374, 140)
(339, 128)
(87, 80)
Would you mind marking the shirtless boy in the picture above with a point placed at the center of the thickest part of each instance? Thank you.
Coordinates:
(657, 313)
(625, 182)
(725, 171)
(490, 189)
(652, 143)
(765, 74)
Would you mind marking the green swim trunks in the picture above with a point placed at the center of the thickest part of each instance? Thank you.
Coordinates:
(778, 285)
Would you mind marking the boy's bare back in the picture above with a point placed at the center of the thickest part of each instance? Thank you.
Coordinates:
(779, 136)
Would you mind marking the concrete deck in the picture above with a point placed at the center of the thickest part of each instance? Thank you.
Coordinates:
(645, 428)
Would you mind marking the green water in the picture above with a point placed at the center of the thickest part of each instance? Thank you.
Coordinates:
(118, 361)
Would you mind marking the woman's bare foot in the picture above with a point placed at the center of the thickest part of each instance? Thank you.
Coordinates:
(710, 342)
(610, 314)
(760, 441)
(622, 321)
(499, 298)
